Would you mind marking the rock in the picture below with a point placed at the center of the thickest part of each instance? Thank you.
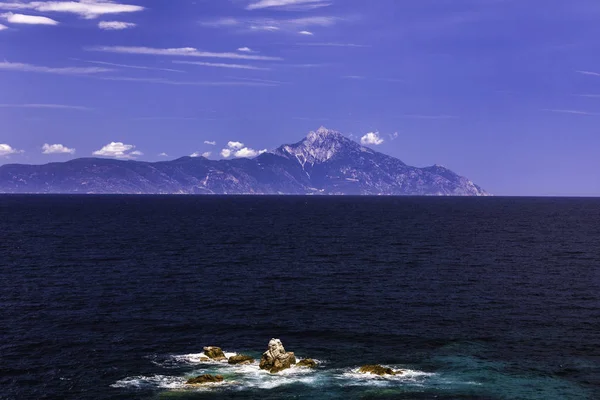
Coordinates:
(241, 359)
(204, 359)
(378, 370)
(276, 359)
(202, 379)
(214, 353)
(307, 363)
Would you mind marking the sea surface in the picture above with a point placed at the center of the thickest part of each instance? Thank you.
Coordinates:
(114, 297)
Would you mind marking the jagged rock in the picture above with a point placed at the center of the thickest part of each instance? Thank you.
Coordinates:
(307, 363)
(214, 353)
(276, 359)
(241, 359)
(202, 379)
(378, 370)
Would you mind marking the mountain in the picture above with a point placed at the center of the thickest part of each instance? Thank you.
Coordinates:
(325, 162)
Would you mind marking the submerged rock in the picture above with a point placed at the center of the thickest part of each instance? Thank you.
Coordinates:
(207, 378)
(241, 359)
(378, 370)
(307, 363)
(214, 353)
(276, 359)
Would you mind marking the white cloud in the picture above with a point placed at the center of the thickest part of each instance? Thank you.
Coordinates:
(239, 150)
(235, 145)
(132, 66)
(88, 9)
(332, 44)
(3, 27)
(48, 106)
(588, 73)
(28, 19)
(5, 65)
(115, 25)
(6, 150)
(290, 25)
(288, 4)
(178, 52)
(210, 143)
(222, 23)
(371, 138)
(246, 50)
(225, 153)
(393, 136)
(306, 33)
(574, 112)
(117, 150)
(206, 154)
(56, 149)
(221, 65)
(163, 155)
(248, 153)
(268, 28)
(161, 81)
(136, 153)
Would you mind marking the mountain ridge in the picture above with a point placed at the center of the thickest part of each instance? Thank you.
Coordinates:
(324, 162)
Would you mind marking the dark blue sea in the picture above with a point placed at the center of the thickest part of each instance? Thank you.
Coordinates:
(114, 297)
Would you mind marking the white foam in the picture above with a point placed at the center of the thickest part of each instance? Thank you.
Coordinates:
(147, 382)
(197, 358)
(409, 376)
(164, 382)
(254, 377)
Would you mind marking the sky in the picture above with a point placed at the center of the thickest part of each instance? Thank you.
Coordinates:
(505, 92)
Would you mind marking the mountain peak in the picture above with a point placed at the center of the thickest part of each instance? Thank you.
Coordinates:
(321, 134)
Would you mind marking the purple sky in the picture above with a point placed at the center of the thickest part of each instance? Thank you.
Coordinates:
(505, 92)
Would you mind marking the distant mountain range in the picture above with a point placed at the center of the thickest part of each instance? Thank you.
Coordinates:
(325, 162)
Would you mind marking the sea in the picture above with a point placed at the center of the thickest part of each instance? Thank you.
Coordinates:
(114, 297)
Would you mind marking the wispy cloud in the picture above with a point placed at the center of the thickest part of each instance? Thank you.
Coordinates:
(423, 116)
(594, 96)
(3, 27)
(288, 4)
(371, 138)
(28, 19)
(6, 150)
(47, 106)
(333, 44)
(178, 52)
(258, 80)
(163, 155)
(306, 33)
(56, 149)
(588, 73)
(289, 25)
(211, 143)
(354, 77)
(161, 81)
(221, 65)
(10, 66)
(246, 50)
(574, 112)
(88, 9)
(130, 66)
(117, 150)
(115, 25)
